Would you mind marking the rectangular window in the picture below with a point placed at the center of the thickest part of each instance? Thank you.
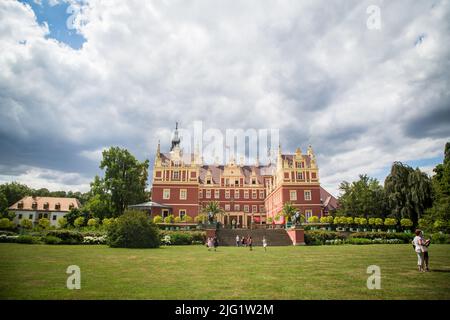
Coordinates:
(236, 194)
(40, 215)
(208, 193)
(217, 194)
(261, 194)
(208, 181)
(254, 194)
(237, 207)
(54, 217)
(253, 180)
(245, 194)
(183, 194)
(20, 216)
(308, 214)
(182, 213)
(262, 208)
(307, 195)
(176, 175)
(227, 194)
(166, 194)
(299, 175)
(293, 195)
(200, 194)
(165, 213)
(30, 217)
(227, 207)
(246, 208)
(254, 208)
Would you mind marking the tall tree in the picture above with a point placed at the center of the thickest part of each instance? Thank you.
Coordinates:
(408, 192)
(125, 178)
(364, 197)
(14, 191)
(439, 214)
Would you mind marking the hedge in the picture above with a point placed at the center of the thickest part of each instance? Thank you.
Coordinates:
(66, 236)
(183, 237)
(405, 237)
(318, 237)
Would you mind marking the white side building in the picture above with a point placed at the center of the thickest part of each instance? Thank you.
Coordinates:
(35, 208)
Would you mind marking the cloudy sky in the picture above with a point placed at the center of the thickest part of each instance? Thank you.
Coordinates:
(79, 76)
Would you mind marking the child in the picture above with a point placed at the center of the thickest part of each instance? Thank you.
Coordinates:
(264, 242)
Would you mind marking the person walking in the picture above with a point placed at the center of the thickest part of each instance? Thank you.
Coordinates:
(418, 248)
(243, 241)
(210, 244)
(250, 243)
(215, 243)
(426, 244)
(264, 243)
(238, 241)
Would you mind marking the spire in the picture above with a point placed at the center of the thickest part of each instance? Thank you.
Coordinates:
(158, 150)
(176, 138)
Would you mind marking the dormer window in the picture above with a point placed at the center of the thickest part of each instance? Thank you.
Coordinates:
(71, 206)
(208, 181)
(58, 206)
(20, 205)
(46, 206)
(34, 205)
(253, 180)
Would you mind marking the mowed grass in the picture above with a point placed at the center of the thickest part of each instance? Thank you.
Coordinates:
(191, 272)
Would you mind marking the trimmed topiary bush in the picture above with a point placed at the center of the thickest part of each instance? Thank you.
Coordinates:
(133, 230)
(406, 238)
(157, 219)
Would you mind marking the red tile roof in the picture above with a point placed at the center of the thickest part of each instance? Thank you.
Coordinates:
(27, 203)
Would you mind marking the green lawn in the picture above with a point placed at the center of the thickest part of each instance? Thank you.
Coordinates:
(191, 272)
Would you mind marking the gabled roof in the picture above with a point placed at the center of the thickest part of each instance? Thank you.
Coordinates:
(328, 200)
(64, 203)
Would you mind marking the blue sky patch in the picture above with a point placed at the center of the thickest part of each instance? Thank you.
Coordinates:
(56, 17)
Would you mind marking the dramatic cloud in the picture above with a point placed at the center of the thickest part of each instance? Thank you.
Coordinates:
(362, 97)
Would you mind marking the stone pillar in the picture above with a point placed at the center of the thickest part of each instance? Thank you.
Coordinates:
(297, 235)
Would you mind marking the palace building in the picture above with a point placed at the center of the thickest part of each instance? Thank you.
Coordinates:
(183, 185)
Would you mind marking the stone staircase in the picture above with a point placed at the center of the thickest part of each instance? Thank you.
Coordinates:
(274, 237)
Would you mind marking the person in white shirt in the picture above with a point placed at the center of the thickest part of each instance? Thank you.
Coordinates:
(418, 247)
(238, 242)
(264, 242)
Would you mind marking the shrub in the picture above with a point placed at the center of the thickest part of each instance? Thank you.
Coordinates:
(362, 221)
(349, 220)
(323, 220)
(179, 238)
(169, 219)
(107, 221)
(330, 219)
(92, 222)
(390, 222)
(26, 224)
(313, 219)
(320, 236)
(182, 237)
(177, 220)
(407, 223)
(359, 241)
(52, 240)
(44, 223)
(187, 218)
(95, 240)
(8, 238)
(66, 236)
(5, 223)
(27, 239)
(133, 230)
(201, 218)
(440, 225)
(79, 222)
(378, 222)
(405, 238)
(440, 238)
(371, 221)
(157, 219)
(62, 222)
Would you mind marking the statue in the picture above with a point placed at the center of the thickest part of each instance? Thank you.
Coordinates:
(296, 218)
(210, 217)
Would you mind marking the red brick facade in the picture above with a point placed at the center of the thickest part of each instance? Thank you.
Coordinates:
(248, 194)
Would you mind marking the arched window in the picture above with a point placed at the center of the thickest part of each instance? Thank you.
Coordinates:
(46, 206)
(34, 205)
(58, 206)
